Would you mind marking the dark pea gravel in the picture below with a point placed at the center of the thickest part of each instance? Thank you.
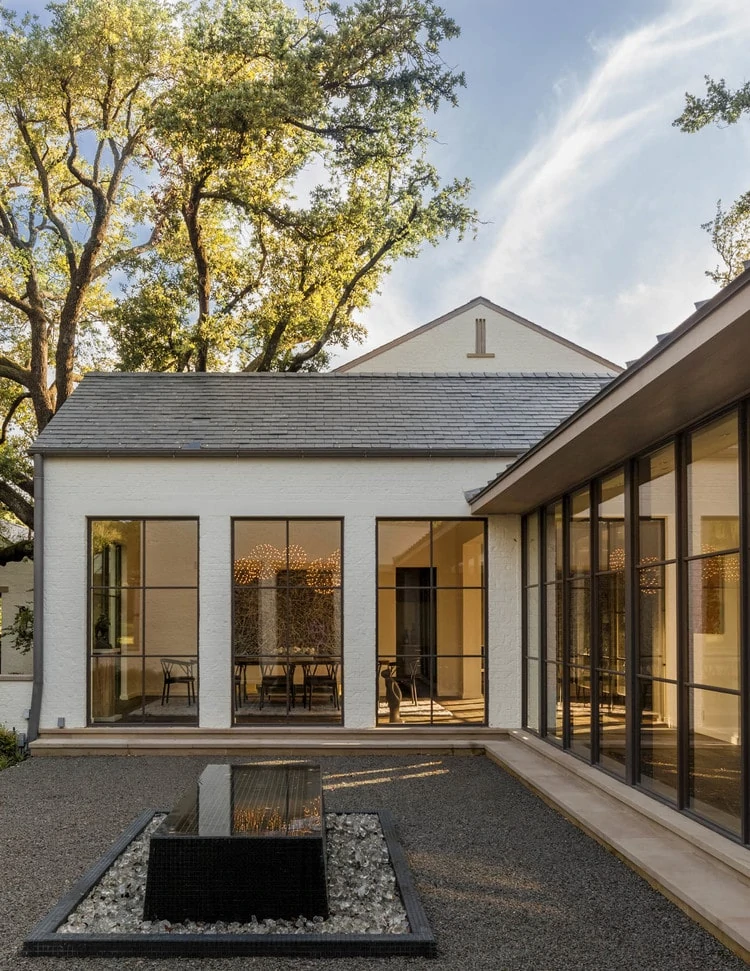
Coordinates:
(506, 882)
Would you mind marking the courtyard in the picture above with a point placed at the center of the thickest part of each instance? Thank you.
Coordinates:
(507, 883)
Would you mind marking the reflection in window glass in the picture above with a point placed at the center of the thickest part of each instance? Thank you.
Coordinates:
(143, 604)
(431, 622)
(287, 621)
(657, 706)
(657, 613)
(714, 621)
(657, 506)
(715, 765)
(580, 532)
(553, 537)
(713, 487)
(612, 522)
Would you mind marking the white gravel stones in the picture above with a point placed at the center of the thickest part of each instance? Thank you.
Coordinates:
(362, 893)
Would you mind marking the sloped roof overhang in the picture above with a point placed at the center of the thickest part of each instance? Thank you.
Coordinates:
(703, 365)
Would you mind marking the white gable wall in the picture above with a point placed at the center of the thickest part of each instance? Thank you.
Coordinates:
(214, 490)
(445, 348)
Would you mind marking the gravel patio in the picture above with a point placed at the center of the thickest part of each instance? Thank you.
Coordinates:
(506, 882)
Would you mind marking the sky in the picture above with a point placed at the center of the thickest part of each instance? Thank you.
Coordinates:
(591, 202)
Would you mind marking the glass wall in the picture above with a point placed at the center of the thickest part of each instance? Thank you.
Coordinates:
(143, 621)
(713, 621)
(579, 621)
(286, 621)
(656, 592)
(431, 622)
(646, 647)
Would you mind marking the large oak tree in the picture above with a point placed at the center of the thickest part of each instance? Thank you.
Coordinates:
(221, 185)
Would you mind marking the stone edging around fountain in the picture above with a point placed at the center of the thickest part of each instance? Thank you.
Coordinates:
(45, 940)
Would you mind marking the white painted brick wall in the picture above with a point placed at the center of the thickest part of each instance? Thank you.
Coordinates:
(359, 490)
(444, 348)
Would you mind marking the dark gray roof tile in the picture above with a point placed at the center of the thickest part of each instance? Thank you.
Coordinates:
(350, 413)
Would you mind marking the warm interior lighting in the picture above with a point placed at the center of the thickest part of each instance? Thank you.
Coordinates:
(324, 574)
(725, 567)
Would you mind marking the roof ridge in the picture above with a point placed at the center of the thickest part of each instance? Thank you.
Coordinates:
(343, 376)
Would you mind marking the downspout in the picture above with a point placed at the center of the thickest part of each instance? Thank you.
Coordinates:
(38, 684)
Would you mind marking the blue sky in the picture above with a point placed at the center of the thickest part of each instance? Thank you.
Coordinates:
(591, 201)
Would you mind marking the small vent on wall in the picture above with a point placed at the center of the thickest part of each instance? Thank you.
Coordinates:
(480, 339)
(481, 335)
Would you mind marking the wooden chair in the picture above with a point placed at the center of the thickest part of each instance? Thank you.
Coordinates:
(178, 671)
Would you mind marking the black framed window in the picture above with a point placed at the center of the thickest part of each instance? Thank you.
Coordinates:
(287, 658)
(431, 621)
(143, 621)
(651, 622)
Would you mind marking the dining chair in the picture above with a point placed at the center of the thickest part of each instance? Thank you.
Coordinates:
(322, 676)
(178, 671)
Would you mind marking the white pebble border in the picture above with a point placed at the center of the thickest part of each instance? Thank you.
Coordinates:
(362, 893)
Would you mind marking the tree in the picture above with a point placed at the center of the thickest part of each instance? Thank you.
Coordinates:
(260, 272)
(74, 101)
(216, 185)
(730, 228)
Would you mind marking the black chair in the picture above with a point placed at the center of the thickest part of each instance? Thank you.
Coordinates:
(177, 671)
(274, 676)
(408, 677)
(320, 676)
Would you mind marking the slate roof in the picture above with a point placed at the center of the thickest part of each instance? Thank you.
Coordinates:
(313, 414)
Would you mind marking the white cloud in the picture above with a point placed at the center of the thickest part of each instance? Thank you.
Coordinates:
(594, 231)
(627, 102)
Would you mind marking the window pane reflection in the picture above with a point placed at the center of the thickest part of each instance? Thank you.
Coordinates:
(714, 621)
(554, 701)
(656, 506)
(580, 710)
(611, 619)
(532, 694)
(580, 621)
(714, 769)
(612, 722)
(554, 622)
(713, 487)
(554, 542)
(657, 704)
(143, 641)
(580, 532)
(657, 602)
(431, 622)
(532, 622)
(532, 549)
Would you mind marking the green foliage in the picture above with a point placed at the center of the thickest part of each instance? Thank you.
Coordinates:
(215, 185)
(21, 631)
(9, 753)
(729, 229)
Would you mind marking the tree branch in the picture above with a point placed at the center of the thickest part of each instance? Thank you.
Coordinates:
(9, 417)
(15, 552)
(299, 359)
(21, 507)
